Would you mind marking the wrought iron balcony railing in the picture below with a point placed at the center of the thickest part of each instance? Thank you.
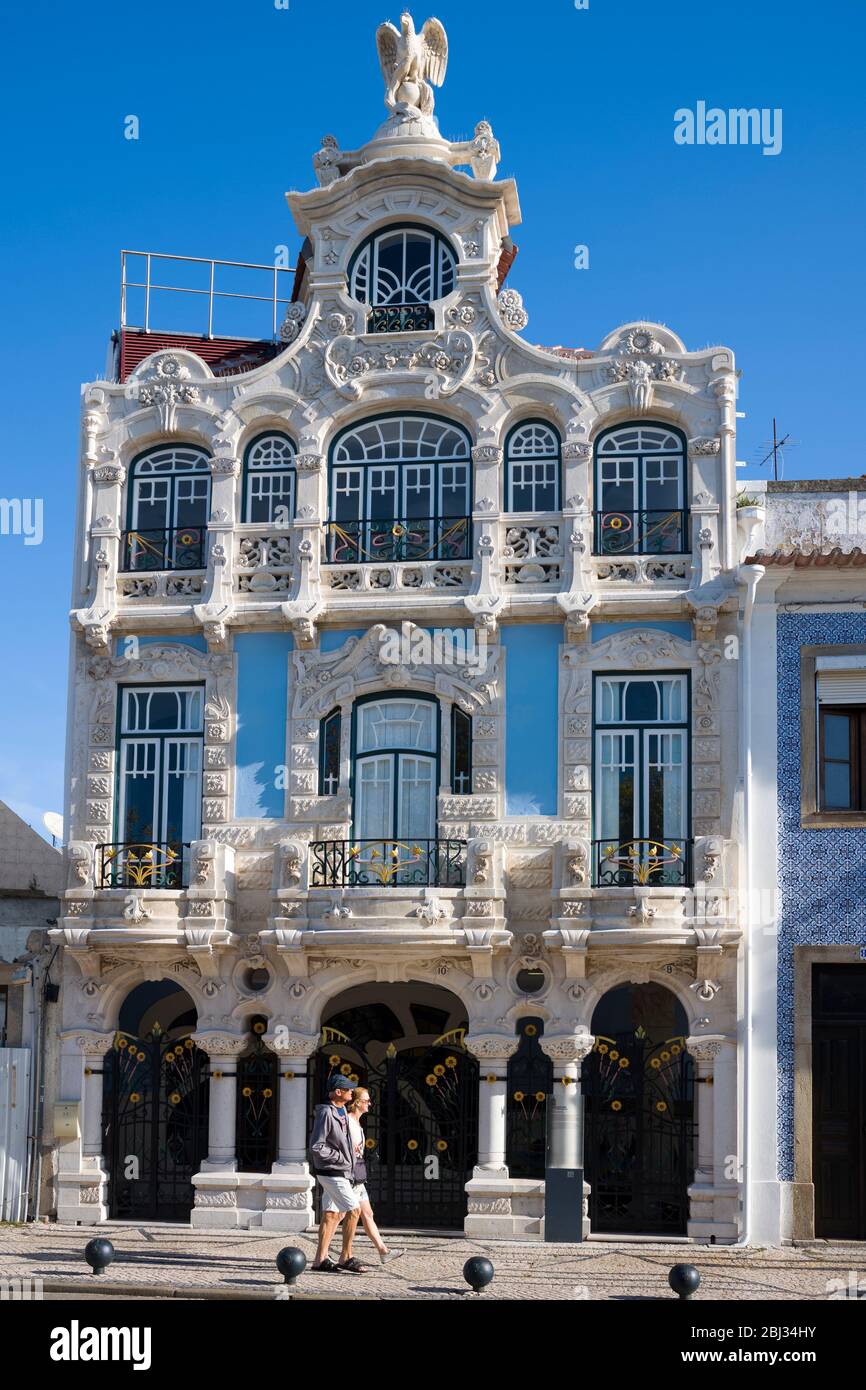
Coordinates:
(170, 548)
(399, 318)
(409, 538)
(125, 864)
(640, 533)
(388, 863)
(642, 863)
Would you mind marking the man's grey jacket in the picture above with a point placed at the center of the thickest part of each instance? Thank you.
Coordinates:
(330, 1143)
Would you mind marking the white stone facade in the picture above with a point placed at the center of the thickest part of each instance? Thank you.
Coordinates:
(529, 899)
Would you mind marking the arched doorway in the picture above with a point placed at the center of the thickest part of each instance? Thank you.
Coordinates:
(638, 1086)
(404, 1043)
(155, 1105)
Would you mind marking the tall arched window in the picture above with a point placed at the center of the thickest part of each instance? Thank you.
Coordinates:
(532, 456)
(640, 504)
(396, 768)
(269, 480)
(169, 500)
(398, 272)
(400, 490)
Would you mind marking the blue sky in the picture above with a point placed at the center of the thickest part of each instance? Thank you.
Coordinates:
(724, 244)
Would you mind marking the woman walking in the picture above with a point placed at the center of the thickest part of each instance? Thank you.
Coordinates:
(355, 1112)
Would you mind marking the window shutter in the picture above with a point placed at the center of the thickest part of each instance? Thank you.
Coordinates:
(842, 687)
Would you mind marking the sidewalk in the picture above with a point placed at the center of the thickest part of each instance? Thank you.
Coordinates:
(174, 1262)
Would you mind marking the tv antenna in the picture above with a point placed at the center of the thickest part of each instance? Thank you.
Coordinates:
(776, 451)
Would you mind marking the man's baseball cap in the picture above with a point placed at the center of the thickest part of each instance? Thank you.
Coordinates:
(338, 1082)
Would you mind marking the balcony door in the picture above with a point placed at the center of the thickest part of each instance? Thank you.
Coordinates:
(159, 783)
(641, 782)
(168, 510)
(395, 784)
(640, 482)
(400, 490)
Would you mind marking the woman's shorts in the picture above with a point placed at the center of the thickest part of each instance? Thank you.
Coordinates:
(338, 1194)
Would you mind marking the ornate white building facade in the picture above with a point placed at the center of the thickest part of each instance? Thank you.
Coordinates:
(477, 870)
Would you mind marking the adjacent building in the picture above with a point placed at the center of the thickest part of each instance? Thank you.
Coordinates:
(806, 713)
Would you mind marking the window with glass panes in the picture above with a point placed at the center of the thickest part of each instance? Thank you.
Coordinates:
(400, 490)
(159, 764)
(641, 782)
(401, 266)
(169, 502)
(640, 503)
(395, 772)
(532, 459)
(269, 480)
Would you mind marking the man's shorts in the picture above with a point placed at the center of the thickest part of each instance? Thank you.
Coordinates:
(338, 1194)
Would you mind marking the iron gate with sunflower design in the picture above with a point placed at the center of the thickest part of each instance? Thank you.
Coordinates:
(422, 1127)
(640, 1133)
(155, 1119)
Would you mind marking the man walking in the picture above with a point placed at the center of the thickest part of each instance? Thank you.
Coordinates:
(333, 1161)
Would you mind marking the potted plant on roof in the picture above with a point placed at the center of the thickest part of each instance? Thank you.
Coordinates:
(751, 516)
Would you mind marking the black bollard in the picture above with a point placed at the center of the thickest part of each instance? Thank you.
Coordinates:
(478, 1273)
(99, 1253)
(291, 1262)
(684, 1280)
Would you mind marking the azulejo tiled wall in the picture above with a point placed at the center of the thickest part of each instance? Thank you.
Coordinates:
(822, 873)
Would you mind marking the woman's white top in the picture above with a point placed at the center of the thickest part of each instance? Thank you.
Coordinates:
(357, 1134)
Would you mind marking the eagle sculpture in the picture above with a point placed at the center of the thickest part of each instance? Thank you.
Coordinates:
(410, 62)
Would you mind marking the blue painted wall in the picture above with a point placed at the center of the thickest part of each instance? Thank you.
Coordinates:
(822, 873)
(599, 631)
(262, 665)
(531, 717)
(332, 638)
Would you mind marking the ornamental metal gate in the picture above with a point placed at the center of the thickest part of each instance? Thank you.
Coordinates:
(422, 1127)
(155, 1124)
(640, 1133)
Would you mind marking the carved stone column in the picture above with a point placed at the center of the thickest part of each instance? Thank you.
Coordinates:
(493, 1054)
(289, 1188)
(223, 1049)
(218, 1197)
(82, 1179)
(490, 1191)
(567, 1053)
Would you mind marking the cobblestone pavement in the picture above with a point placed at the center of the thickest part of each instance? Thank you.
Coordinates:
(168, 1259)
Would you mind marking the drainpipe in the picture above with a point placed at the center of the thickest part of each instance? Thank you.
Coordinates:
(750, 576)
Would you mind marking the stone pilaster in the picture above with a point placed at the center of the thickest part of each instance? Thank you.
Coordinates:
(713, 1195)
(82, 1177)
(567, 1052)
(289, 1186)
(215, 1184)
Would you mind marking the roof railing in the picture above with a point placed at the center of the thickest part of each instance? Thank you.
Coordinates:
(278, 296)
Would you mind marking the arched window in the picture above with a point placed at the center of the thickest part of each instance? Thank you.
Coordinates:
(532, 455)
(269, 480)
(396, 768)
(169, 499)
(400, 490)
(640, 491)
(398, 272)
